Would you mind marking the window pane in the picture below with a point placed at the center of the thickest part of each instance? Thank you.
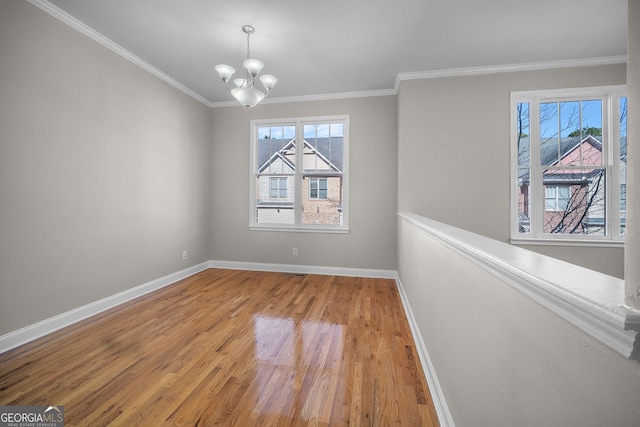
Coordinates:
(337, 129)
(574, 201)
(550, 198)
(570, 119)
(273, 144)
(274, 202)
(590, 134)
(592, 118)
(283, 188)
(323, 155)
(324, 205)
(522, 117)
(523, 195)
(549, 133)
(523, 156)
(569, 146)
(322, 188)
(571, 133)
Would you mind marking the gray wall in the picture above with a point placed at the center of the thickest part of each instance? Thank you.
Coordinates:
(104, 171)
(503, 360)
(453, 152)
(371, 241)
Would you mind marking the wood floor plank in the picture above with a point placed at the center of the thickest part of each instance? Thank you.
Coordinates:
(233, 348)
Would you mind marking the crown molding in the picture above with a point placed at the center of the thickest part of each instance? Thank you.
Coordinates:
(96, 36)
(509, 68)
(316, 97)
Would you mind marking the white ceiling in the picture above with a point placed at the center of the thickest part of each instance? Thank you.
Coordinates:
(337, 46)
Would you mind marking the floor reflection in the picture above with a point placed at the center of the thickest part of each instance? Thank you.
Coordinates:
(303, 360)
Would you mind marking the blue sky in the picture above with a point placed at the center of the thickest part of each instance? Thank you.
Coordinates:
(565, 117)
(321, 130)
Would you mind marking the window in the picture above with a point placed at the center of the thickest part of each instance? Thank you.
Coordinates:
(557, 197)
(569, 165)
(278, 188)
(299, 173)
(317, 188)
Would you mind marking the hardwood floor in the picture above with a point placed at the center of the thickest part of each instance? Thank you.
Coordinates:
(228, 347)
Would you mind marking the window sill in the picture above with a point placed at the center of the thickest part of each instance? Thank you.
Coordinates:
(567, 242)
(308, 229)
(592, 301)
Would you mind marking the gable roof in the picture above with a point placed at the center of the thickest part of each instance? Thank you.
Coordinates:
(554, 150)
(329, 150)
(567, 145)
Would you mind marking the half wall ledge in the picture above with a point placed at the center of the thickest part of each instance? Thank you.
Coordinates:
(592, 301)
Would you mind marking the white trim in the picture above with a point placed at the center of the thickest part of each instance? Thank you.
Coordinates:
(309, 98)
(302, 229)
(96, 36)
(509, 68)
(533, 241)
(37, 330)
(592, 301)
(304, 269)
(437, 395)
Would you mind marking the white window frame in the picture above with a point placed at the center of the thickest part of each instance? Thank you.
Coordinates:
(298, 226)
(610, 96)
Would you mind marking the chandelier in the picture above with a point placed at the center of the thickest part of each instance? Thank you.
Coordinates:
(245, 91)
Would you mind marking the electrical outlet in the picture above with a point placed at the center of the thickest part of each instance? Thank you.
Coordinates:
(184, 254)
(295, 251)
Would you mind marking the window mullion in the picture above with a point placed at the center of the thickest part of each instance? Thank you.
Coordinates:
(298, 174)
(612, 148)
(537, 189)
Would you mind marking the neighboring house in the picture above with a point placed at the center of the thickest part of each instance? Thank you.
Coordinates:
(574, 198)
(321, 184)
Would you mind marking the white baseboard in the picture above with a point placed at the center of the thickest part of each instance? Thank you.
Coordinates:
(304, 269)
(37, 330)
(442, 410)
